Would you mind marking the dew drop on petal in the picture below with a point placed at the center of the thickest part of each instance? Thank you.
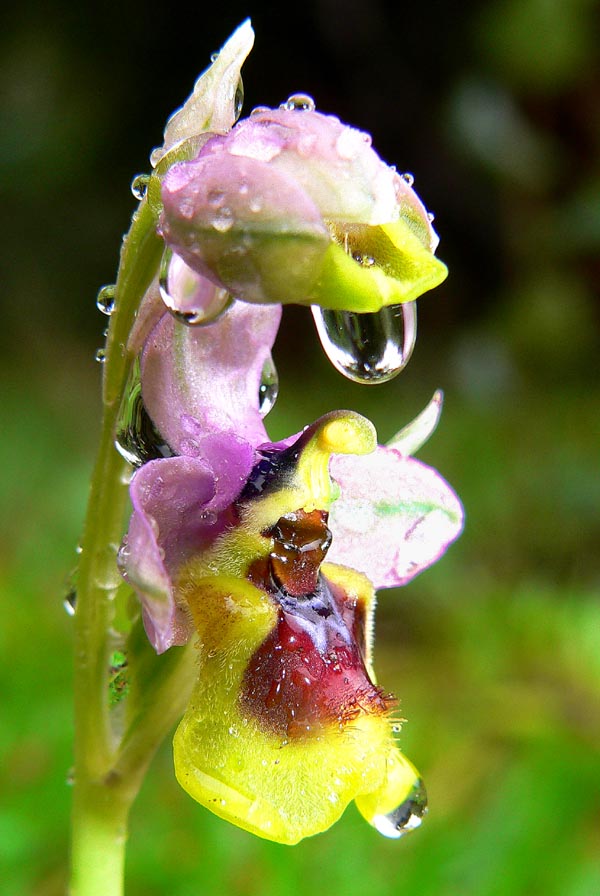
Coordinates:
(139, 186)
(101, 355)
(269, 387)
(137, 439)
(105, 300)
(223, 220)
(299, 102)
(405, 817)
(408, 178)
(215, 198)
(188, 296)
(259, 110)
(368, 348)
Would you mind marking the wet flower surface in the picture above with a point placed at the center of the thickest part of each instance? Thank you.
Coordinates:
(294, 206)
(268, 554)
(231, 541)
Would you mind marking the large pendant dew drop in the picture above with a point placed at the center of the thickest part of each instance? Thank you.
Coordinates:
(369, 348)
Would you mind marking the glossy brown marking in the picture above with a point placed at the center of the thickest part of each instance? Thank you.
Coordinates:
(300, 542)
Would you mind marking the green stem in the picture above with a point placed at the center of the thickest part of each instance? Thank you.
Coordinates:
(99, 836)
(103, 797)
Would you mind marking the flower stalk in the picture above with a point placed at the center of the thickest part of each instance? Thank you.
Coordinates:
(109, 763)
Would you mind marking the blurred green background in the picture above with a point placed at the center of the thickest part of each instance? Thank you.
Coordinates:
(494, 105)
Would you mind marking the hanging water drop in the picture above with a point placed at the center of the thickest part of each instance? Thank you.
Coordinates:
(70, 601)
(137, 439)
(269, 387)
(101, 356)
(238, 100)
(405, 817)
(299, 102)
(105, 300)
(408, 178)
(191, 298)
(139, 186)
(70, 592)
(368, 348)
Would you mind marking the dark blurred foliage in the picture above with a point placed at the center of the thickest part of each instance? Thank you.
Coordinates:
(494, 106)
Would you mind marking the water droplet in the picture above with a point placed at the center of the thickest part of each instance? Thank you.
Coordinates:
(70, 602)
(366, 261)
(299, 102)
(430, 217)
(238, 100)
(70, 592)
(215, 198)
(101, 356)
(139, 186)
(105, 300)
(368, 348)
(223, 221)
(408, 178)
(190, 298)
(137, 439)
(406, 817)
(269, 387)
(259, 110)
(214, 56)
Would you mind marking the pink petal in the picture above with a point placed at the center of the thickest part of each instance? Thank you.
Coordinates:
(178, 508)
(395, 516)
(202, 380)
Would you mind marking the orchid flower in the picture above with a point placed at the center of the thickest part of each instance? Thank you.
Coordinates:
(263, 556)
(228, 543)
